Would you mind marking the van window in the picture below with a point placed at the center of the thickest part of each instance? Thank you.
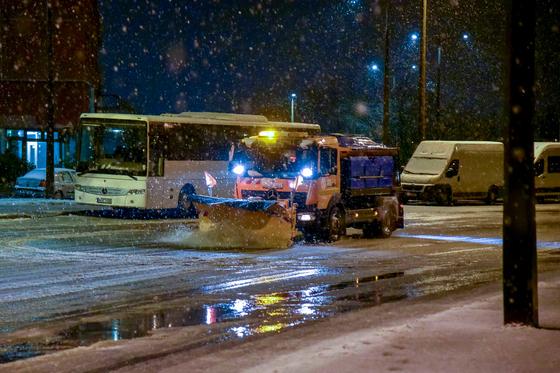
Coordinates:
(554, 164)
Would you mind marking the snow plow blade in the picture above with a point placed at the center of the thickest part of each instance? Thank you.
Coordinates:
(243, 224)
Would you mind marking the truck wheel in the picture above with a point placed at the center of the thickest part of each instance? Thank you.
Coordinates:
(335, 227)
(387, 225)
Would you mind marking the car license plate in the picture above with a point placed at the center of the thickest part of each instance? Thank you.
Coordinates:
(105, 200)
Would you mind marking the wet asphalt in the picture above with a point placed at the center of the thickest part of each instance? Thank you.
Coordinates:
(74, 280)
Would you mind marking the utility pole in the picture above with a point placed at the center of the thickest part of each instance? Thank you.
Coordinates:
(386, 80)
(422, 78)
(519, 230)
(438, 93)
(49, 189)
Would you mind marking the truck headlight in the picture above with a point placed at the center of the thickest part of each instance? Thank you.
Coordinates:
(307, 172)
(239, 169)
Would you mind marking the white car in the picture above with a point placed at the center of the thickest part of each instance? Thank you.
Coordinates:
(33, 183)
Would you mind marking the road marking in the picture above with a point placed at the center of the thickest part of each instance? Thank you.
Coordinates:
(496, 241)
(462, 251)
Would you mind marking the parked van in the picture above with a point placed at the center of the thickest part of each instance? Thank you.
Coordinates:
(444, 171)
(547, 170)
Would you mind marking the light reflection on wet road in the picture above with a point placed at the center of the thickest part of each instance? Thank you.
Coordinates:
(78, 280)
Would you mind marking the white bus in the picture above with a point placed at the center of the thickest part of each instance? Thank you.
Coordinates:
(154, 161)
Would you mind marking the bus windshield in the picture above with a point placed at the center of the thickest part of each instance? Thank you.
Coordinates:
(113, 149)
(276, 160)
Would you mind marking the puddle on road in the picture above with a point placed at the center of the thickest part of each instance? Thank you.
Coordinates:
(257, 314)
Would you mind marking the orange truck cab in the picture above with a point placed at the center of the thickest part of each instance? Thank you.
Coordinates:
(335, 181)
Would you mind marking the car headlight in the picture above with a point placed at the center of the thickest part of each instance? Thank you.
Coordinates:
(307, 172)
(239, 169)
(78, 187)
(137, 191)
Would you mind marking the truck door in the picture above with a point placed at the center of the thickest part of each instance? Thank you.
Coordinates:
(329, 183)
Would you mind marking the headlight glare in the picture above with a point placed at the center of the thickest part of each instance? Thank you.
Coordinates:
(239, 169)
(307, 172)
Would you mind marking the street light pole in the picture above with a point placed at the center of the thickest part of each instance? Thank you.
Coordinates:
(293, 97)
(422, 78)
(386, 77)
(438, 91)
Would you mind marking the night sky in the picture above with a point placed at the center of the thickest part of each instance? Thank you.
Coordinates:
(247, 56)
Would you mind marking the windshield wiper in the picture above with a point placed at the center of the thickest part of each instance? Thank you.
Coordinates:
(129, 174)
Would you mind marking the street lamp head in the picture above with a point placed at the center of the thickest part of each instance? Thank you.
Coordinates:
(414, 36)
(374, 67)
(465, 36)
(415, 67)
(293, 96)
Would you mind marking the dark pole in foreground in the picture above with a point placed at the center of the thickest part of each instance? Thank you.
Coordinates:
(519, 251)
(422, 78)
(386, 76)
(49, 188)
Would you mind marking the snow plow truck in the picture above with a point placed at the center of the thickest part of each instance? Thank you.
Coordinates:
(333, 181)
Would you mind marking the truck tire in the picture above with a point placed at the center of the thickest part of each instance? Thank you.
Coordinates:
(381, 229)
(335, 226)
(387, 225)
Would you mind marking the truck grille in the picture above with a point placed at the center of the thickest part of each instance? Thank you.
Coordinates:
(299, 197)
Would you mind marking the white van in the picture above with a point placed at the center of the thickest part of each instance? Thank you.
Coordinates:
(547, 170)
(444, 171)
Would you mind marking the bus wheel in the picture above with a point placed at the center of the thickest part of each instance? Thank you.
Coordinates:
(184, 206)
(335, 228)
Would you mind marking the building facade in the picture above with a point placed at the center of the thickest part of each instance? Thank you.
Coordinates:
(72, 29)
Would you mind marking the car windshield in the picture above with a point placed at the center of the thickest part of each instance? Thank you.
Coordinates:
(425, 166)
(113, 149)
(282, 160)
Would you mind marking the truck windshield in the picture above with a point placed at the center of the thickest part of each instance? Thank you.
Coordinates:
(113, 149)
(425, 166)
(276, 160)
